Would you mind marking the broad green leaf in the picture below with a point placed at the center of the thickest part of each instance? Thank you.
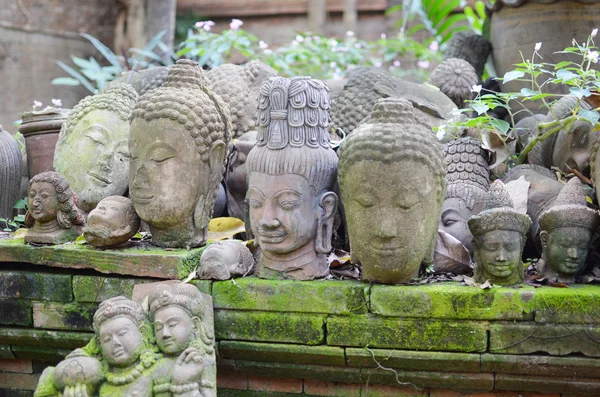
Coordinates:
(562, 64)
(77, 76)
(104, 50)
(501, 125)
(82, 63)
(512, 75)
(580, 92)
(480, 108)
(590, 115)
(528, 92)
(565, 75)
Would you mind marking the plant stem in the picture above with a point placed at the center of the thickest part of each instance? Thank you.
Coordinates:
(539, 138)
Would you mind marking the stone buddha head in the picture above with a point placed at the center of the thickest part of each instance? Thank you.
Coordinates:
(391, 176)
(224, 260)
(52, 215)
(468, 177)
(112, 222)
(499, 237)
(180, 135)
(566, 233)
(237, 174)
(291, 174)
(455, 78)
(92, 147)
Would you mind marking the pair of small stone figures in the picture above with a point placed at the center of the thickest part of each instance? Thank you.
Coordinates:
(166, 350)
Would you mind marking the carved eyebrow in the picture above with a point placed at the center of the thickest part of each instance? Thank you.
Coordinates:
(287, 191)
(255, 189)
(100, 128)
(161, 145)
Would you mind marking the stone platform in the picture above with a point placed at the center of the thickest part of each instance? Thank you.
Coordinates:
(324, 338)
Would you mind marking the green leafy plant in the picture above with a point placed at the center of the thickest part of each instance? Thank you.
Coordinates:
(10, 225)
(582, 80)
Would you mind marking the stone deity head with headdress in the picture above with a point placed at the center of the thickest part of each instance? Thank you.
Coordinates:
(468, 177)
(392, 182)
(291, 174)
(566, 232)
(91, 151)
(180, 135)
(52, 215)
(499, 234)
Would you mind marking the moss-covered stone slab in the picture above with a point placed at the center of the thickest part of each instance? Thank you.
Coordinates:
(204, 286)
(70, 316)
(299, 371)
(139, 259)
(462, 381)
(546, 384)
(97, 289)
(45, 354)
(6, 352)
(35, 286)
(15, 312)
(413, 360)
(557, 340)
(46, 338)
(541, 365)
(305, 329)
(282, 353)
(579, 304)
(387, 333)
(453, 301)
(321, 296)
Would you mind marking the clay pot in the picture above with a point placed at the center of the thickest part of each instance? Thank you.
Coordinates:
(517, 25)
(11, 163)
(40, 129)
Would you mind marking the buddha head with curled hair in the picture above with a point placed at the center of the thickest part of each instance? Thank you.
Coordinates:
(392, 181)
(180, 135)
(91, 151)
(291, 174)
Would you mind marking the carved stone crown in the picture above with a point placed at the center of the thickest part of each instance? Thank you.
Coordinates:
(455, 78)
(570, 210)
(116, 307)
(184, 296)
(499, 213)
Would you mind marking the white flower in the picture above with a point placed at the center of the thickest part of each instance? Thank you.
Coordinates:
(434, 46)
(592, 56)
(377, 64)
(349, 33)
(294, 42)
(268, 51)
(299, 38)
(538, 46)
(383, 36)
(56, 102)
(594, 32)
(476, 88)
(441, 132)
(37, 104)
(206, 25)
(396, 64)
(332, 65)
(333, 43)
(262, 45)
(357, 45)
(423, 64)
(235, 24)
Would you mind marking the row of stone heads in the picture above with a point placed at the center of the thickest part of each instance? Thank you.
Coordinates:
(164, 345)
(393, 176)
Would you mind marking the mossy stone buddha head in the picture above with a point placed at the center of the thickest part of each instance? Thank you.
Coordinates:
(499, 237)
(566, 232)
(92, 147)
(291, 173)
(391, 176)
(180, 135)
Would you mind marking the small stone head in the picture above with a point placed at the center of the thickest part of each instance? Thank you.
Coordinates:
(122, 331)
(468, 181)
(177, 313)
(499, 237)
(566, 232)
(391, 176)
(180, 135)
(224, 260)
(291, 173)
(92, 148)
(112, 222)
(471, 47)
(455, 78)
(237, 175)
(51, 200)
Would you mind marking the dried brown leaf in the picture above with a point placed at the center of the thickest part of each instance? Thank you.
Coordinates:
(450, 255)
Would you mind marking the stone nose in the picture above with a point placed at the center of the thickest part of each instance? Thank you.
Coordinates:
(141, 177)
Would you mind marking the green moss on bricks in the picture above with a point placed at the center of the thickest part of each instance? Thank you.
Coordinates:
(97, 289)
(6, 352)
(453, 301)
(270, 327)
(321, 296)
(374, 332)
(295, 371)
(47, 354)
(282, 353)
(579, 304)
(204, 286)
(413, 360)
(46, 338)
(70, 316)
(15, 312)
(35, 286)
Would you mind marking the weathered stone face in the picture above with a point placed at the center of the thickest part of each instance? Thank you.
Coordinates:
(498, 257)
(112, 222)
(566, 249)
(121, 341)
(455, 215)
(225, 259)
(236, 178)
(390, 229)
(42, 202)
(174, 330)
(573, 149)
(94, 157)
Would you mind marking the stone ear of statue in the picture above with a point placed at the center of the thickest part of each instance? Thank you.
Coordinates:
(544, 237)
(328, 205)
(205, 203)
